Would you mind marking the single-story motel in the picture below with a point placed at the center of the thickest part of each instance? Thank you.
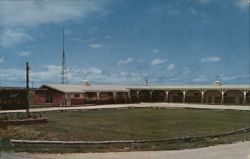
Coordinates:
(82, 94)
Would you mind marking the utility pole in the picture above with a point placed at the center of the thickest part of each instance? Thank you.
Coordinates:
(64, 79)
(27, 89)
(146, 80)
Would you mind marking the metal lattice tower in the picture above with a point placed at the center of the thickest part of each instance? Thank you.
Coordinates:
(64, 79)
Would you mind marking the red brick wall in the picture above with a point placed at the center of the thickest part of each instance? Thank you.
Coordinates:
(58, 98)
(106, 98)
(77, 101)
(39, 98)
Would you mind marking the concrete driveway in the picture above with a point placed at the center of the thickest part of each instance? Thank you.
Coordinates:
(232, 151)
(162, 105)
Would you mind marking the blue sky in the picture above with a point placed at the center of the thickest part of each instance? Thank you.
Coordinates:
(125, 41)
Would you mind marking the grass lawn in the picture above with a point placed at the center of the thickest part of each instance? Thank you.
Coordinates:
(135, 123)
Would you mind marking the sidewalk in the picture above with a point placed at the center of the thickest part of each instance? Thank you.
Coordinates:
(231, 151)
(139, 105)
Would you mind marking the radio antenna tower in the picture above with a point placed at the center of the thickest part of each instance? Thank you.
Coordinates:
(64, 69)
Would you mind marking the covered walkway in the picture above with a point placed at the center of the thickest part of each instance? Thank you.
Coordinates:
(72, 95)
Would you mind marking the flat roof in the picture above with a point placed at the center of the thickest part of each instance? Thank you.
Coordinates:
(80, 88)
(83, 88)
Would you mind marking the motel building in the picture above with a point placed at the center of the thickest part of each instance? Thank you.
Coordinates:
(85, 94)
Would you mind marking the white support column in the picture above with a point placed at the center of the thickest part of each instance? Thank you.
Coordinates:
(202, 96)
(137, 95)
(222, 95)
(184, 95)
(245, 96)
(150, 95)
(166, 97)
(98, 96)
(129, 97)
(114, 96)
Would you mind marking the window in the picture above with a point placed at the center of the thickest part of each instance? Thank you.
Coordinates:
(77, 95)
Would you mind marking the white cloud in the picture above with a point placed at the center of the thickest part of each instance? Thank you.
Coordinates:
(158, 61)
(10, 37)
(193, 11)
(201, 78)
(211, 59)
(185, 71)
(173, 12)
(78, 75)
(126, 61)
(108, 37)
(49, 74)
(125, 77)
(52, 72)
(78, 40)
(171, 66)
(228, 78)
(204, 1)
(94, 46)
(93, 71)
(234, 77)
(223, 78)
(155, 50)
(12, 74)
(34, 13)
(107, 13)
(23, 53)
(2, 59)
(242, 4)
